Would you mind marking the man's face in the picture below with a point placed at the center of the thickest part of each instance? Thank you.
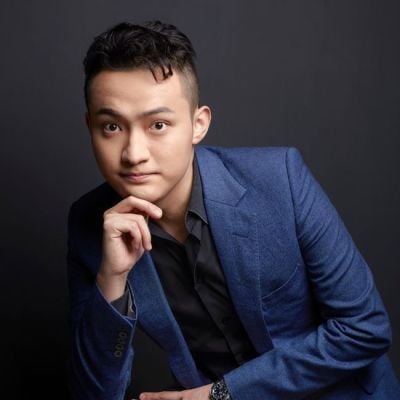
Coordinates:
(143, 132)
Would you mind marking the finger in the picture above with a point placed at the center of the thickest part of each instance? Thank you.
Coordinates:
(115, 226)
(161, 396)
(144, 231)
(139, 221)
(136, 235)
(134, 204)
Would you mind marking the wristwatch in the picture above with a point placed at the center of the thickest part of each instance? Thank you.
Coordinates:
(219, 391)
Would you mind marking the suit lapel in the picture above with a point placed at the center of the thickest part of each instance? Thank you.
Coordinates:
(234, 229)
(156, 318)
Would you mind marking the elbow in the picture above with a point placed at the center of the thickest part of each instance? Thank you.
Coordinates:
(364, 338)
(380, 328)
(372, 327)
(383, 337)
(375, 335)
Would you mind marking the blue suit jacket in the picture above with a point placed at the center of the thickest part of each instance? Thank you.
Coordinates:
(301, 288)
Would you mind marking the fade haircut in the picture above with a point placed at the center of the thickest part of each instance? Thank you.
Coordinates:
(154, 45)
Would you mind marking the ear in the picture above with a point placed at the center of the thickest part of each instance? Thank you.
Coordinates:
(201, 123)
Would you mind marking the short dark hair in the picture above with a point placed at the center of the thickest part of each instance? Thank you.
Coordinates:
(153, 45)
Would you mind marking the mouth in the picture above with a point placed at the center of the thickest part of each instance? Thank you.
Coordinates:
(137, 177)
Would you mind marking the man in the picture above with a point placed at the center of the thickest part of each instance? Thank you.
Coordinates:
(231, 259)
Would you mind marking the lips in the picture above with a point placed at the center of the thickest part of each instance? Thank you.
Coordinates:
(136, 173)
(137, 176)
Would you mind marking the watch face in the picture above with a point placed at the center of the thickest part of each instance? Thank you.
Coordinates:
(219, 391)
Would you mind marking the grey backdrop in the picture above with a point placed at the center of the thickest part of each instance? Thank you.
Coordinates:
(319, 75)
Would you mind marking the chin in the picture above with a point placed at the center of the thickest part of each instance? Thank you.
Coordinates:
(136, 191)
(142, 193)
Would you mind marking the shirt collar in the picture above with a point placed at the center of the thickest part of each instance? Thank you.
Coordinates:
(196, 202)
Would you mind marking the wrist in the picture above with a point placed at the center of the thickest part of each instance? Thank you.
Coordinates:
(112, 287)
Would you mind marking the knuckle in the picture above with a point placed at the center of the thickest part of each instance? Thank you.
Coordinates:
(109, 213)
(134, 225)
(140, 218)
(107, 224)
(135, 228)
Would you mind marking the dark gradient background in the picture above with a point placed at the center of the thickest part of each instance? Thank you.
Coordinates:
(319, 75)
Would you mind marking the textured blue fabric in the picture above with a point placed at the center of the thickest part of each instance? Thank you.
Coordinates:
(302, 290)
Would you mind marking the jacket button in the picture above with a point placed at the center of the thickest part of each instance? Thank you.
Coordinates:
(119, 346)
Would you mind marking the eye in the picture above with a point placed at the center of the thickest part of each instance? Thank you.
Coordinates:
(158, 126)
(111, 128)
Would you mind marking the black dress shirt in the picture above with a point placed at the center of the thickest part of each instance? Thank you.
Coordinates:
(195, 287)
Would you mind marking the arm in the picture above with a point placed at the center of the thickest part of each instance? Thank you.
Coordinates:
(355, 329)
(101, 356)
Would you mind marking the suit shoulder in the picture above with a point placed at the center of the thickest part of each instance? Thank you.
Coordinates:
(268, 154)
(255, 160)
(263, 168)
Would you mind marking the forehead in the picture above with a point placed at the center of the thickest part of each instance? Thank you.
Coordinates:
(136, 88)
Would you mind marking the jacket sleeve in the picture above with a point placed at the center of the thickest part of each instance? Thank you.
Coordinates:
(101, 356)
(355, 329)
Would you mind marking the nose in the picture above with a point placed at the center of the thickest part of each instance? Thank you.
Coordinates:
(136, 150)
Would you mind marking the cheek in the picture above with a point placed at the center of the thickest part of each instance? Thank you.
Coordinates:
(175, 158)
(178, 146)
(105, 155)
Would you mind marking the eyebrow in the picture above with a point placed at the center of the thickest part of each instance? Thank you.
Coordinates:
(113, 113)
